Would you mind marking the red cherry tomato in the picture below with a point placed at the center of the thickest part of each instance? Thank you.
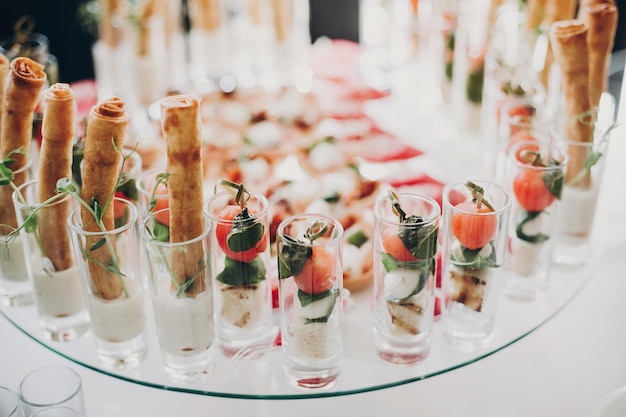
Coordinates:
(223, 229)
(318, 272)
(530, 190)
(119, 208)
(393, 246)
(470, 227)
(161, 204)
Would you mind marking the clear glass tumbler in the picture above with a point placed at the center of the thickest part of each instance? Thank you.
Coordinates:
(240, 261)
(110, 263)
(182, 297)
(474, 239)
(405, 267)
(310, 298)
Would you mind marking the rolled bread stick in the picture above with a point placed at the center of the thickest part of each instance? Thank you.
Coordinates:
(25, 81)
(602, 22)
(282, 18)
(181, 129)
(4, 73)
(535, 13)
(100, 169)
(555, 10)
(569, 43)
(55, 162)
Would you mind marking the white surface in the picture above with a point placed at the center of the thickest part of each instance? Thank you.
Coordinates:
(562, 370)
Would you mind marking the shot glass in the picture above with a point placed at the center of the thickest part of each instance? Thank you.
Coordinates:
(405, 266)
(473, 248)
(582, 187)
(152, 191)
(51, 386)
(109, 262)
(518, 120)
(9, 403)
(310, 298)
(182, 297)
(535, 177)
(240, 260)
(54, 274)
(15, 286)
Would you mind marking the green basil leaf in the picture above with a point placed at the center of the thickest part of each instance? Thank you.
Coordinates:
(245, 237)
(357, 238)
(292, 258)
(309, 298)
(242, 273)
(554, 181)
(160, 232)
(473, 260)
(421, 241)
(525, 217)
(390, 263)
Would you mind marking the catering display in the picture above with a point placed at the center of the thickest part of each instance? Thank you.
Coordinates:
(292, 215)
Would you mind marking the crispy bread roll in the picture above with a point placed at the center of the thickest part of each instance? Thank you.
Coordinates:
(282, 18)
(55, 162)
(181, 125)
(101, 163)
(111, 28)
(602, 22)
(147, 10)
(23, 88)
(535, 12)
(4, 73)
(555, 10)
(569, 43)
(206, 14)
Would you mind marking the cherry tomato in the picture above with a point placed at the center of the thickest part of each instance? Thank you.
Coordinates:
(318, 272)
(223, 229)
(393, 246)
(530, 190)
(119, 208)
(470, 227)
(161, 204)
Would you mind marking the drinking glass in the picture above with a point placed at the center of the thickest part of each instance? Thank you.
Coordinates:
(54, 274)
(473, 247)
(182, 297)
(51, 386)
(15, 286)
(535, 177)
(110, 262)
(585, 172)
(57, 411)
(405, 266)
(240, 262)
(9, 403)
(310, 288)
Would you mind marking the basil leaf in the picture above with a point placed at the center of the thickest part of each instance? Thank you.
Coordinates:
(307, 298)
(421, 241)
(292, 258)
(357, 238)
(525, 217)
(245, 237)
(390, 263)
(129, 188)
(473, 260)
(553, 181)
(237, 273)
